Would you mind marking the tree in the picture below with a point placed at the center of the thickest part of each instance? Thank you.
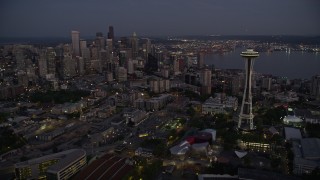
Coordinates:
(9, 140)
(314, 175)
(3, 117)
(247, 161)
(24, 158)
(55, 149)
(275, 162)
(313, 130)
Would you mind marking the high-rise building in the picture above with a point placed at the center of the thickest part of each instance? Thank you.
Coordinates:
(235, 85)
(154, 85)
(182, 65)
(266, 83)
(85, 54)
(99, 34)
(201, 60)
(111, 33)
(122, 74)
(20, 58)
(51, 63)
(146, 48)
(159, 85)
(151, 65)
(205, 81)
(69, 66)
(80, 66)
(315, 86)
(122, 58)
(42, 64)
(75, 43)
(123, 42)
(103, 58)
(246, 114)
(159, 57)
(134, 45)
(165, 72)
(130, 67)
(83, 45)
(110, 46)
(100, 41)
(189, 61)
(94, 52)
(175, 63)
(66, 49)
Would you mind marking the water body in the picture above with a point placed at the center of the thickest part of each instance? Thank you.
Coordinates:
(293, 65)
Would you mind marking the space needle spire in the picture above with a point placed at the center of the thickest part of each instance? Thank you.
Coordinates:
(246, 115)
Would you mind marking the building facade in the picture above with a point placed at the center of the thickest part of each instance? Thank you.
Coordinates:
(62, 165)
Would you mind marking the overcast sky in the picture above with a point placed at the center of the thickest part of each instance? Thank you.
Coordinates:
(56, 18)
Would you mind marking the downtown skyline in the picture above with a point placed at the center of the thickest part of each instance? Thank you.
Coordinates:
(36, 18)
(139, 90)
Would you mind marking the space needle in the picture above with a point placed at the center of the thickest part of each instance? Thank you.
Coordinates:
(246, 116)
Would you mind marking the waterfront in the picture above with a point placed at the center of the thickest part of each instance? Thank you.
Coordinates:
(296, 64)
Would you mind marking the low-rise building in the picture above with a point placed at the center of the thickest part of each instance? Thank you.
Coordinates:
(287, 96)
(134, 115)
(219, 104)
(292, 134)
(50, 135)
(153, 104)
(68, 108)
(62, 165)
(106, 112)
(143, 152)
(306, 155)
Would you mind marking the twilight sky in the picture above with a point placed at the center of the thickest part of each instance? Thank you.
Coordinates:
(56, 18)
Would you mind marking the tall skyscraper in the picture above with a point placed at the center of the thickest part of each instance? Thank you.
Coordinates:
(83, 44)
(200, 59)
(266, 83)
(51, 63)
(75, 43)
(205, 80)
(42, 64)
(123, 42)
(100, 41)
(122, 74)
(175, 63)
(69, 66)
(134, 45)
(20, 58)
(130, 67)
(151, 65)
(246, 106)
(111, 33)
(122, 58)
(85, 54)
(110, 46)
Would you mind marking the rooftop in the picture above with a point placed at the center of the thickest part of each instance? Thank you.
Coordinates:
(106, 167)
(292, 133)
(311, 148)
(65, 158)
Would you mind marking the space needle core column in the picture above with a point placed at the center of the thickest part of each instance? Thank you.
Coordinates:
(246, 106)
